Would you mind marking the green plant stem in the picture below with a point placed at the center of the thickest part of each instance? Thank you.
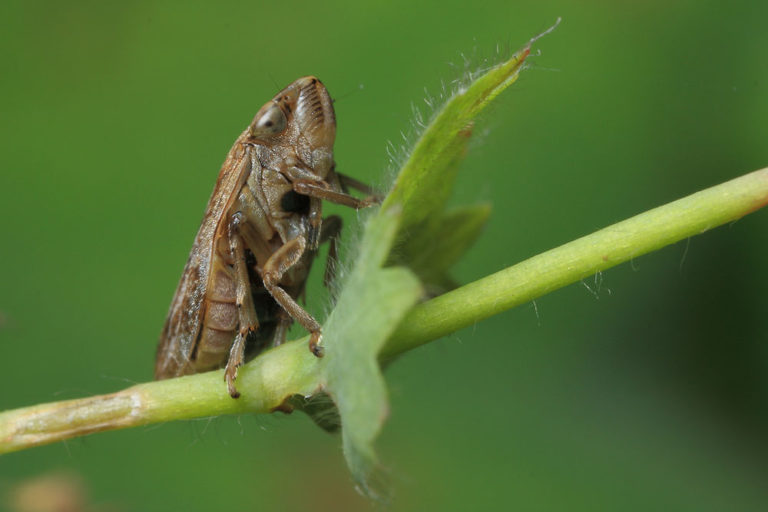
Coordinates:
(269, 379)
(575, 260)
(290, 369)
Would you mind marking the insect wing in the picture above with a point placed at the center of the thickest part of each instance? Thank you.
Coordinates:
(185, 317)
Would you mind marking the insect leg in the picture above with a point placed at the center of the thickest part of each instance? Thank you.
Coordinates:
(284, 322)
(330, 232)
(315, 217)
(350, 182)
(282, 260)
(247, 320)
(256, 229)
(320, 190)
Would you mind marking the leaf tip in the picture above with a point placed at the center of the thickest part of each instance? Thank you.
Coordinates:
(542, 34)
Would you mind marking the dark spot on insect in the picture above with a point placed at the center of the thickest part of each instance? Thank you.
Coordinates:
(314, 81)
(294, 202)
(268, 124)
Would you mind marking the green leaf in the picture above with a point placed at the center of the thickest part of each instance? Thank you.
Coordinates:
(373, 302)
(433, 247)
(430, 240)
(375, 299)
(425, 180)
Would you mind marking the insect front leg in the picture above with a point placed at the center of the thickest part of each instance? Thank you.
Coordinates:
(277, 265)
(247, 320)
(348, 182)
(255, 228)
(321, 190)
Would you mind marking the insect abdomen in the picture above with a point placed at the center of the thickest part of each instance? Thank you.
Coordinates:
(220, 321)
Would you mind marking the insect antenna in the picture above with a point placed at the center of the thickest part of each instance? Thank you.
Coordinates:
(349, 93)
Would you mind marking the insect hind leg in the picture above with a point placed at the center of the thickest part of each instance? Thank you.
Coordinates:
(247, 320)
(330, 232)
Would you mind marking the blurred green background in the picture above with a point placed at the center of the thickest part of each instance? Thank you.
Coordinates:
(643, 389)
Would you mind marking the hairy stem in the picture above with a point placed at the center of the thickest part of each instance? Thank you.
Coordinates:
(290, 369)
(556, 268)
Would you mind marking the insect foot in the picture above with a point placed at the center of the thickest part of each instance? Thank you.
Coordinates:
(233, 392)
(371, 200)
(314, 344)
(230, 376)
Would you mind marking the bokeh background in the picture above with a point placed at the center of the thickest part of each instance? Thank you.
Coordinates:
(645, 388)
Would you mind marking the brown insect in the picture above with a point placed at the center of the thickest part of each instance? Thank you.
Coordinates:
(261, 230)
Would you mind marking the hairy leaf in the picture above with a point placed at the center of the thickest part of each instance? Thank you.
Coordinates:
(373, 302)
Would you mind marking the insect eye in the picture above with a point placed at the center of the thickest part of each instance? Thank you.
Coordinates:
(271, 122)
